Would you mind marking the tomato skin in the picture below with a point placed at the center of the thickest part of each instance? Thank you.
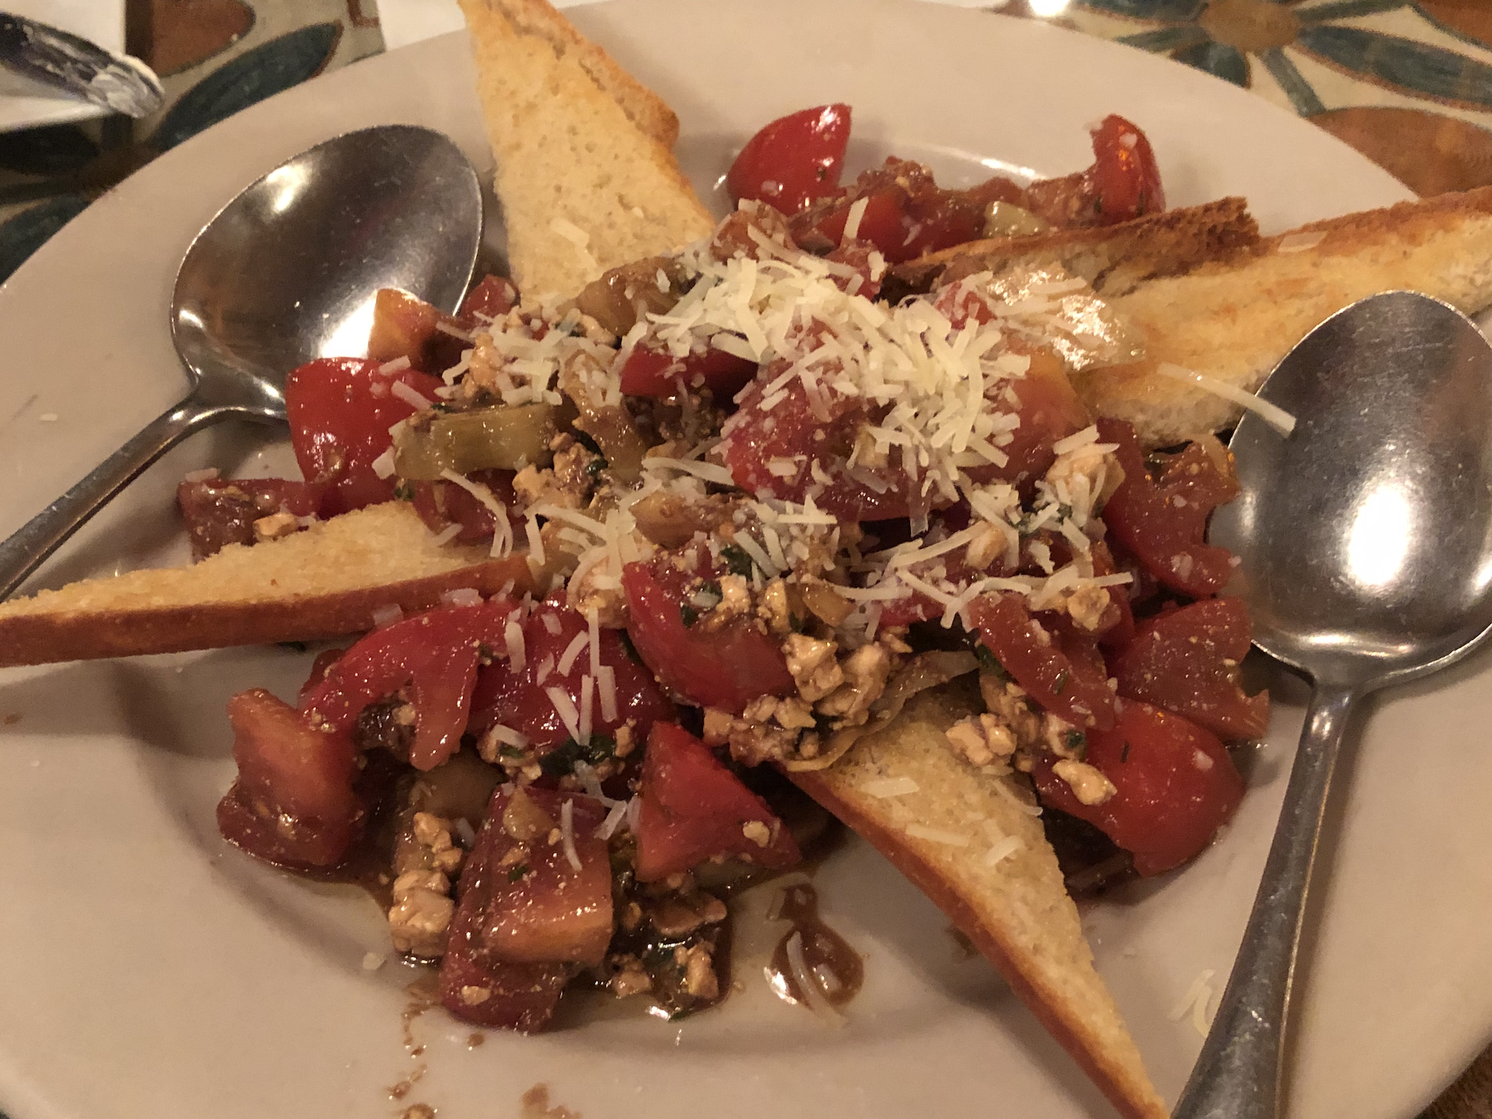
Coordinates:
(221, 511)
(292, 802)
(794, 159)
(519, 701)
(434, 655)
(1176, 785)
(1058, 669)
(1124, 172)
(1163, 522)
(657, 373)
(694, 808)
(442, 504)
(1186, 661)
(521, 937)
(492, 298)
(725, 668)
(340, 411)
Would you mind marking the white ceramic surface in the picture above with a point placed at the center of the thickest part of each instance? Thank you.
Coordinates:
(149, 970)
(25, 103)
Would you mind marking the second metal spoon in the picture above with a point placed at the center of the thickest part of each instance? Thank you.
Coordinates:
(1365, 541)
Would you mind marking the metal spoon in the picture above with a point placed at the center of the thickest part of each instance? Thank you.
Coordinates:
(284, 273)
(1365, 541)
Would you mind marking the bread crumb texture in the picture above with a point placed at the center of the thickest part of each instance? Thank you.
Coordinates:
(584, 171)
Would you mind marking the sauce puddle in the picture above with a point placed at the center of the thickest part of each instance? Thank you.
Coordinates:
(811, 952)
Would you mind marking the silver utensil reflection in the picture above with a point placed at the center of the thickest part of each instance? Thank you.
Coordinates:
(287, 272)
(1365, 541)
(73, 65)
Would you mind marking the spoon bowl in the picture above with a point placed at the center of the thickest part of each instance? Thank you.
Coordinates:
(1364, 541)
(1365, 538)
(287, 272)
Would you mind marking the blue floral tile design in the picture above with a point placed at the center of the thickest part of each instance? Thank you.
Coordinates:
(1404, 64)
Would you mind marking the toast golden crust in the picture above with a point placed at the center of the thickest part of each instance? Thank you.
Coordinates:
(1114, 259)
(584, 171)
(322, 583)
(1234, 321)
(1016, 910)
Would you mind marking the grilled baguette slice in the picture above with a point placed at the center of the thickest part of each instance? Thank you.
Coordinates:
(1235, 320)
(585, 171)
(325, 582)
(1016, 910)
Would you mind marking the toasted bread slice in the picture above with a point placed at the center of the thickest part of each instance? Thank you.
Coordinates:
(1234, 321)
(1015, 909)
(325, 582)
(1113, 259)
(585, 173)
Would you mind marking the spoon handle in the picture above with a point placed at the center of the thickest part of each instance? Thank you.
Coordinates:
(39, 537)
(1237, 1075)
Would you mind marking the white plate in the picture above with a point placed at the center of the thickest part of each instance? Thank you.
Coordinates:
(148, 970)
(25, 103)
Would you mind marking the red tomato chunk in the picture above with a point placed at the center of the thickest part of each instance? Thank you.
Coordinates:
(693, 808)
(1176, 786)
(340, 412)
(431, 657)
(219, 512)
(793, 160)
(293, 802)
(1187, 660)
(527, 918)
(519, 700)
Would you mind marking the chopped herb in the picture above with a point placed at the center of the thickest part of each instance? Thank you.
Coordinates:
(587, 442)
(1077, 740)
(404, 490)
(989, 663)
(509, 752)
(1060, 685)
(627, 646)
(561, 761)
(688, 614)
(595, 466)
(1124, 753)
(712, 590)
(441, 406)
(737, 560)
(517, 872)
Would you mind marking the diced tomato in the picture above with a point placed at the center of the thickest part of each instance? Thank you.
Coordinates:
(882, 221)
(340, 412)
(432, 657)
(793, 160)
(726, 667)
(442, 504)
(794, 429)
(693, 808)
(1117, 628)
(527, 919)
(1163, 522)
(519, 700)
(1122, 184)
(543, 909)
(1049, 409)
(405, 326)
(1176, 785)
(293, 801)
(1124, 172)
(494, 994)
(493, 298)
(220, 511)
(649, 371)
(1058, 668)
(1186, 661)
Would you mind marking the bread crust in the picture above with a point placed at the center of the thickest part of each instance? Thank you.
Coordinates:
(585, 173)
(323, 583)
(1235, 320)
(1017, 913)
(1114, 259)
